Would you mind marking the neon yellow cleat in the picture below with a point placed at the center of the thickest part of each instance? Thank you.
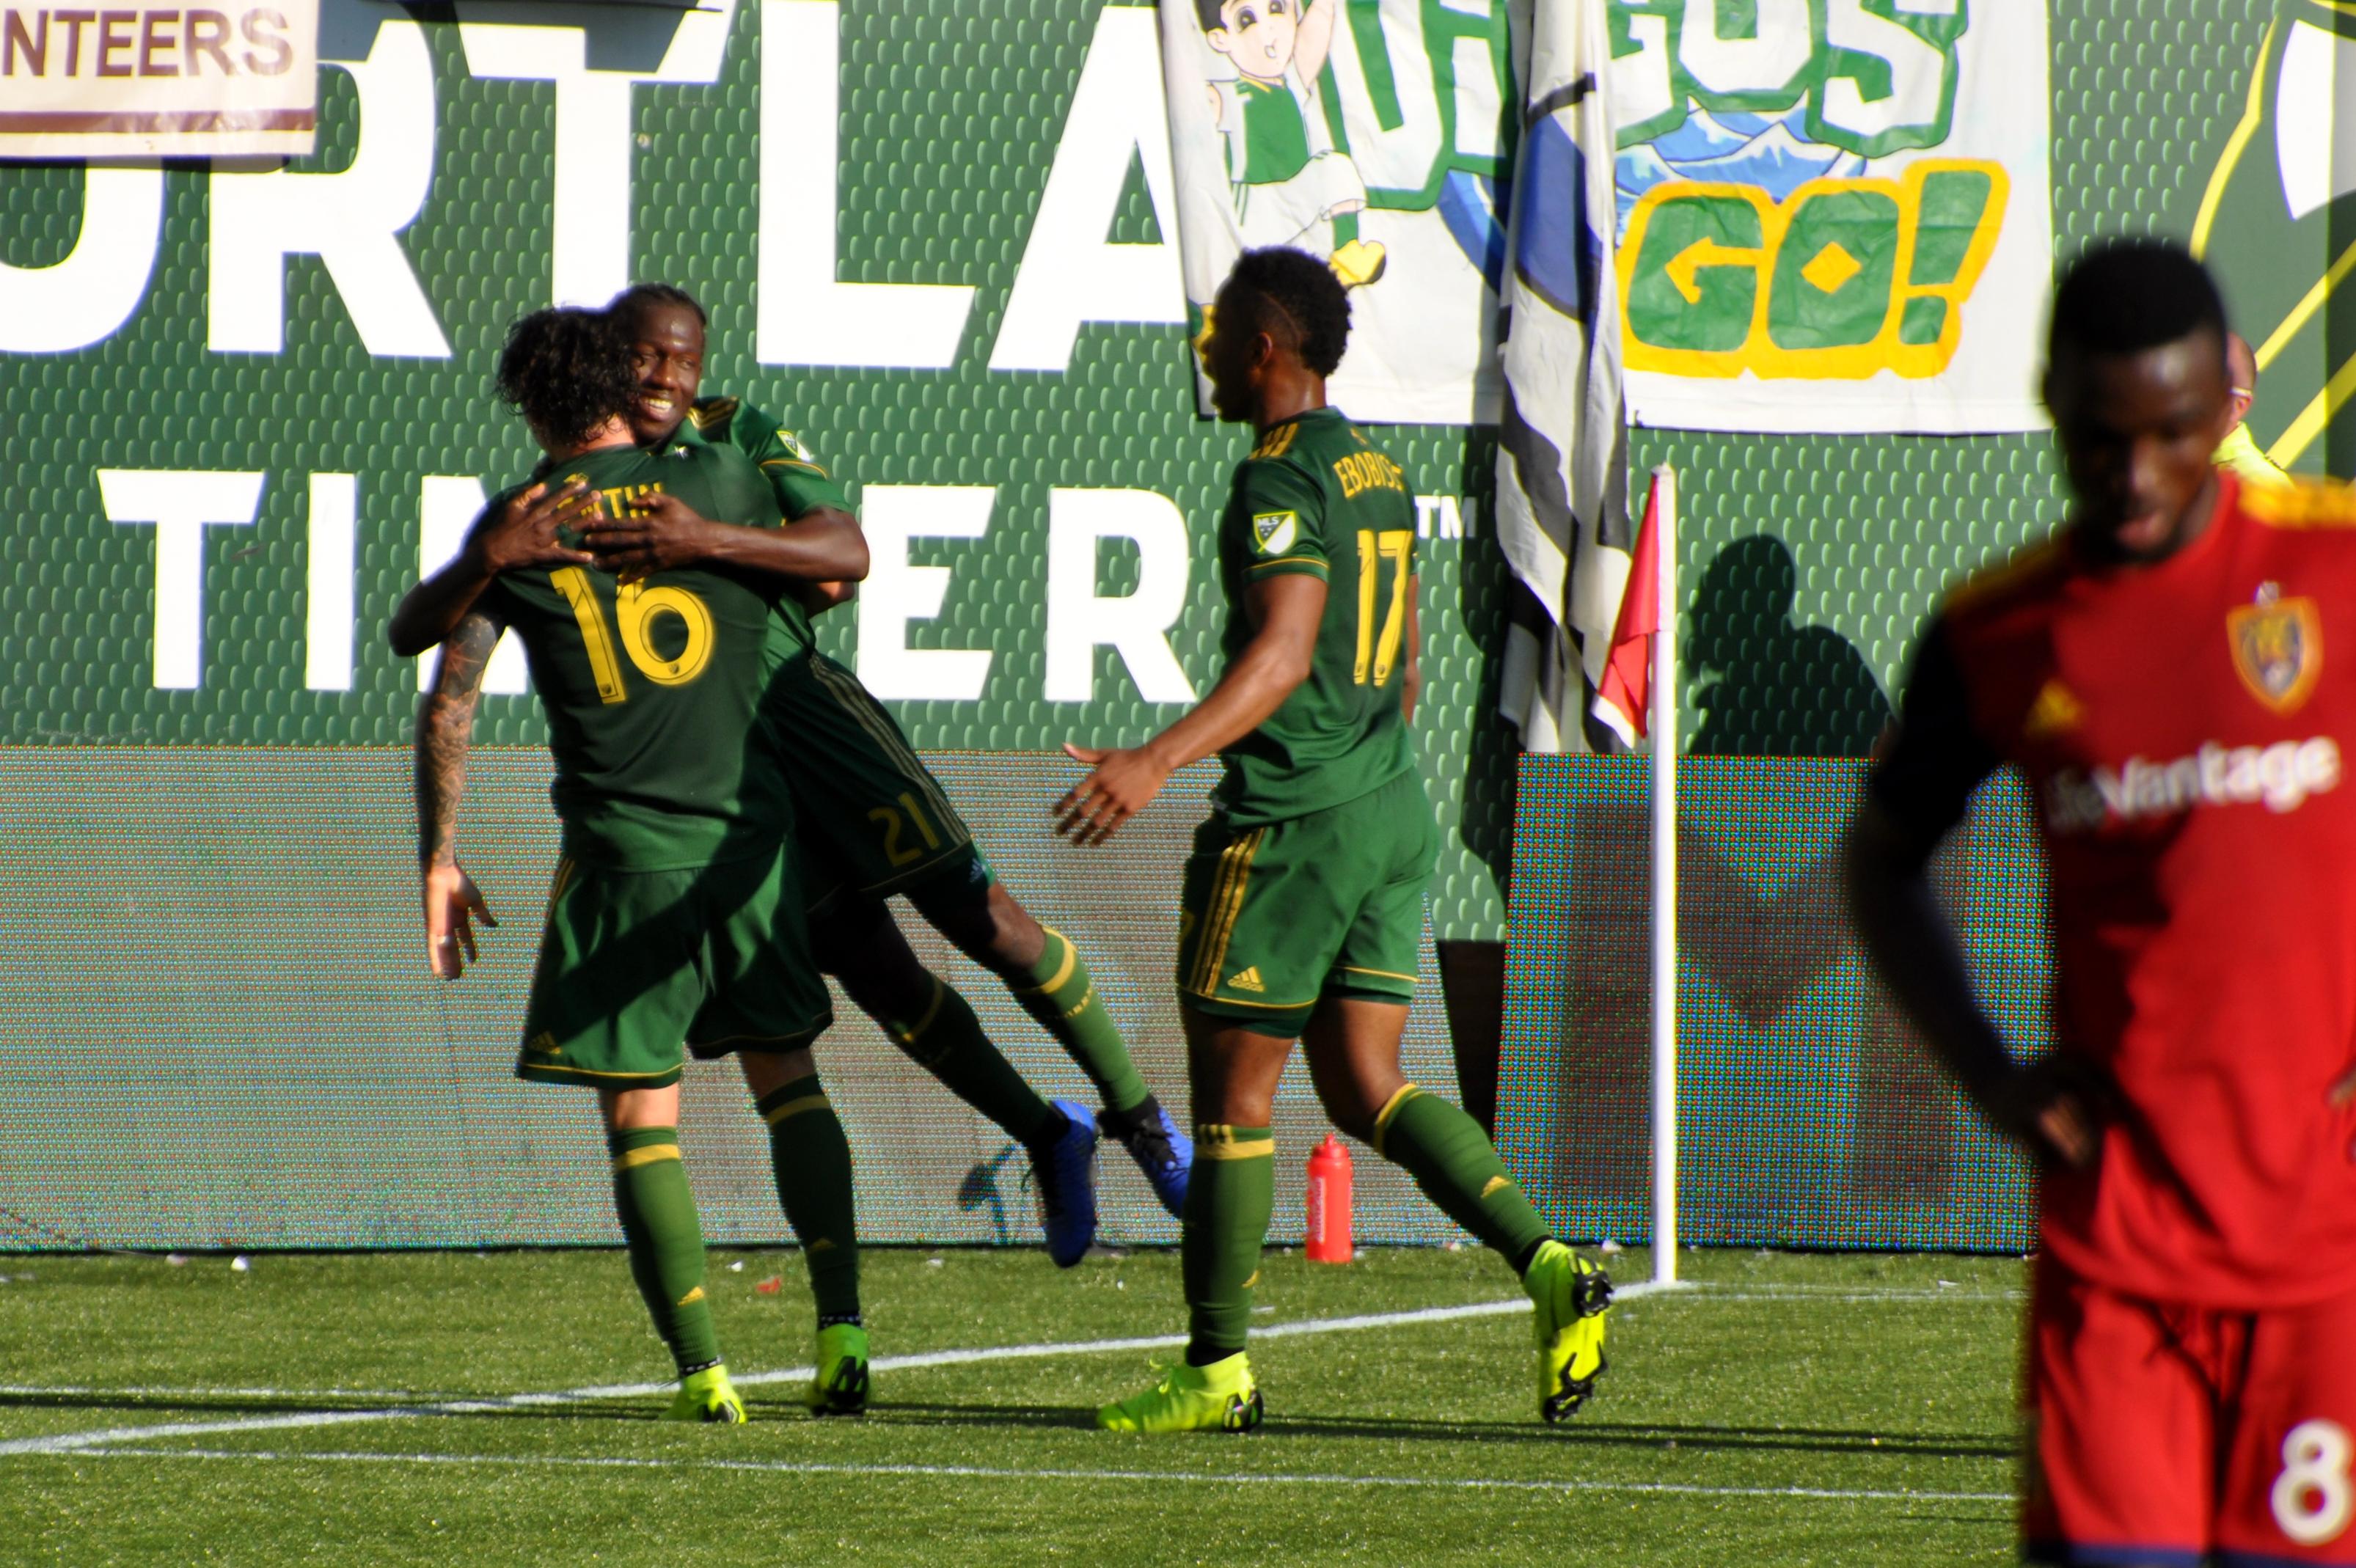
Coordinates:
(840, 1385)
(709, 1396)
(1572, 1294)
(1220, 1397)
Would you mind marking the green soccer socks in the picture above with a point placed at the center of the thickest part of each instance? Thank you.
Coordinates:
(811, 1158)
(1229, 1202)
(658, 1213)
(1456, 1166)
(947, 1040)
(1059, 993)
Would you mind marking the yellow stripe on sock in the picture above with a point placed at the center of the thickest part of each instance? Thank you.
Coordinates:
(916, 1031)
(630, 1159)
(1496, 1184)
(1390, 1109)
(1063, 973)
(796, 1107)
(1216, 1140)
(691, 1297)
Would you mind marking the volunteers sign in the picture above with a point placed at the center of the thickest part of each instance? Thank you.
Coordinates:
(162, 80)
(1834, 214)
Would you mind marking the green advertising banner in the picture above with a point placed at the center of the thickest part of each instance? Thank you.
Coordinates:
(245, 405)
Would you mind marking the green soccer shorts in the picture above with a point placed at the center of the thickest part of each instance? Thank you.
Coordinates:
(869, 816)
(1273, 918)
(637, 968)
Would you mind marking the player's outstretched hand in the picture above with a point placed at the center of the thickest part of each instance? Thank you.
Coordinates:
(1120, 785)
(452, 902)
(523, 531)
(660, 532)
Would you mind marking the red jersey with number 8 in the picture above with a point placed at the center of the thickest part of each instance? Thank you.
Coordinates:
(2185, 728)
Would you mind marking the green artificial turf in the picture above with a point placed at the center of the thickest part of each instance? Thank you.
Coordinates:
(1783, 1410)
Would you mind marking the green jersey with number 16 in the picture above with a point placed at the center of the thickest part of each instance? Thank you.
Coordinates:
(649, 687)
(1315, 498)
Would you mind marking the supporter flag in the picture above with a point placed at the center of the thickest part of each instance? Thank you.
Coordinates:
(1561, 508)
(1623, 694)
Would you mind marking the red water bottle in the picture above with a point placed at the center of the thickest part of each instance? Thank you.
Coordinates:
(1329, 1202)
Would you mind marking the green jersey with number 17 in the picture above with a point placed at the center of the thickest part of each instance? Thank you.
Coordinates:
(649, 687)
(1315, 498)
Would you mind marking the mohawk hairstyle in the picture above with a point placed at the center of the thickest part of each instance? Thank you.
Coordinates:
(638, 297)
(1299, 301)
(2123, 296)
(567, 371)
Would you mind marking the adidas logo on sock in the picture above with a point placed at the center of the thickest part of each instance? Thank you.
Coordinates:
(1245, 980)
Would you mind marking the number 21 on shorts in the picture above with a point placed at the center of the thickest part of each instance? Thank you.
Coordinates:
(2313, 1497)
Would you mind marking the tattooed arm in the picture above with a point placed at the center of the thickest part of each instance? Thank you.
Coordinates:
(445, 729)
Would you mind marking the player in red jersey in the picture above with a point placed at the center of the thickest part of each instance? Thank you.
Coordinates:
(2162, 672)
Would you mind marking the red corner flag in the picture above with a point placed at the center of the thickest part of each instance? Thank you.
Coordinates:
(1622, 696)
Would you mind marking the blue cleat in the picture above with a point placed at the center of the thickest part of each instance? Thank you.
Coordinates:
(1163, 1153)
(1064, 1170)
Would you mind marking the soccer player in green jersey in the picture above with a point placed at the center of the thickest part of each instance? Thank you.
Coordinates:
(1302, 904)
(874, 821)
(676, 915)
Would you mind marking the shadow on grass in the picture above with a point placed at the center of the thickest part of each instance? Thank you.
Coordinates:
(1583, 1432)
(1578, 1433)
(1081, 1417)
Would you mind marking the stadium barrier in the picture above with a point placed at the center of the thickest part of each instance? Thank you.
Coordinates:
(221, 1031)
(1808, 1116)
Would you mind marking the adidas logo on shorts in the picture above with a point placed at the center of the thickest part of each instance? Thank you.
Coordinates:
(1245, 980)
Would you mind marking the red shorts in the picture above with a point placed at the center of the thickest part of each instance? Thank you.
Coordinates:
(2162, 1434)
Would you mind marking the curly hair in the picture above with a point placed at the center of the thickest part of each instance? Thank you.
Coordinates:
(639, 296)
(1299, 303)
(567, 371)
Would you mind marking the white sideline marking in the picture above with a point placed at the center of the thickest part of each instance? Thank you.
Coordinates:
(981, 1472)
(1690, 1291)
(143, 1391)
(80, 1442)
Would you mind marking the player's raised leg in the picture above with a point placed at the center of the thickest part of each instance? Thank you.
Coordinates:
(860, 944)
(1354, 1057)
(890, 827)
(1044, 970)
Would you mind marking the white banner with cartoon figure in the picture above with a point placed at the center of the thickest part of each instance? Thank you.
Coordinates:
(1374, 134)
(1834, 214)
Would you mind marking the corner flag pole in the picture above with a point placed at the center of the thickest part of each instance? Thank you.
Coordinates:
(1665, 885)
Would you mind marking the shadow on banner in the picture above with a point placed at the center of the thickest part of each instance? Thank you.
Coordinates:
(1809, 1116)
